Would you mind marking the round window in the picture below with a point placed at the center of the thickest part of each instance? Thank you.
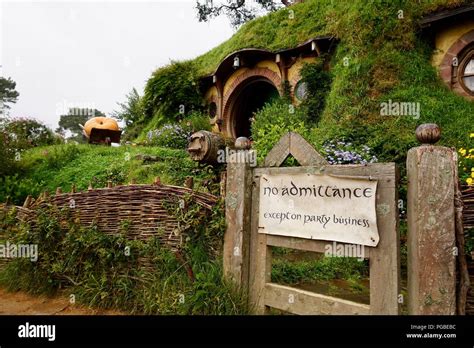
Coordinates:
(301, 90)
(466, 76)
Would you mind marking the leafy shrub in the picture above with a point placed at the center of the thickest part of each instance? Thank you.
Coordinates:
(114, 174)
(274, 120)
(170, 135)
(56, 157)
(18, 135)
(17, 189)
(318, 82)
(193, 122)
(68, 253)
(7, 155)
(173, 91)
(25, 133)
(197, 121)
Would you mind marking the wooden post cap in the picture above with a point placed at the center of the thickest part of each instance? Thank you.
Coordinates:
(428, 133)
(242, 143)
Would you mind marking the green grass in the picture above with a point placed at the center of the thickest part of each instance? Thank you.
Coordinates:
(273, 32)
(290, 267)
(351, 21)
(48, 168)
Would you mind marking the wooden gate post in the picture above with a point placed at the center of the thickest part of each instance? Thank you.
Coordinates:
(237, 211)
(431, 227)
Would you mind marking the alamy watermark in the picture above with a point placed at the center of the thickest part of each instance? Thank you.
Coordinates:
(75, 108)
(28, 330)
(345, 250)
(393, 108)
(13, 251)
(237, 156)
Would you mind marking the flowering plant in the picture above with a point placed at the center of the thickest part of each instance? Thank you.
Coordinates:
(170, 135)
(466, 164)
(346, 152)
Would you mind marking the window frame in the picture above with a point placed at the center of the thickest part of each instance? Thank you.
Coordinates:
(467, 57)
(298, 84)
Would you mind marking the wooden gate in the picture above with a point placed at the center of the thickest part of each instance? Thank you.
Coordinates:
(247, 253)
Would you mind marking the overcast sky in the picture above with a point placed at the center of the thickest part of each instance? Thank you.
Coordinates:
(92, 53)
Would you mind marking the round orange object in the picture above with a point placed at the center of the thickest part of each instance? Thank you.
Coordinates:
(100, 123)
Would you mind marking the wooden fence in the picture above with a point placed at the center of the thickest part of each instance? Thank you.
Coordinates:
(247, 251)
(142, 209)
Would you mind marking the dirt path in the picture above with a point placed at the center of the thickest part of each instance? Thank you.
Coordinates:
(20, 303)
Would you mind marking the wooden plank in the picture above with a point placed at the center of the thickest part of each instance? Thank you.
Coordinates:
(279, 152)
(294, 144)
(304, 152)
(431, 231)
(317, 246)
(260, 257)
(303, 302)
(374, 171)
(431, 19)
(237, 235)
(385, 258)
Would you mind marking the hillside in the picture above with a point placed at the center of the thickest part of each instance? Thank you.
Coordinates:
(386, 60)
(47, 168)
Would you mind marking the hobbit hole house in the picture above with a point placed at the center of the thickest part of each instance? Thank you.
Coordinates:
(244, 82)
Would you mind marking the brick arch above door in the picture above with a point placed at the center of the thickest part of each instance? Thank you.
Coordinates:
(239, 84)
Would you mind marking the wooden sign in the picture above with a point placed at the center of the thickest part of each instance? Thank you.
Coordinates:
(319, 207)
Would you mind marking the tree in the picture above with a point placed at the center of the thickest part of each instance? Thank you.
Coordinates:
(18, 135)
(238, 11)
(131, 110)
(24, 133)
(73, 120)
(8, 94)
(7, 155)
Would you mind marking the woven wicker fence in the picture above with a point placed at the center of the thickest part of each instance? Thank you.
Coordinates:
(468, 223)
(143, 208)
(468, 210)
